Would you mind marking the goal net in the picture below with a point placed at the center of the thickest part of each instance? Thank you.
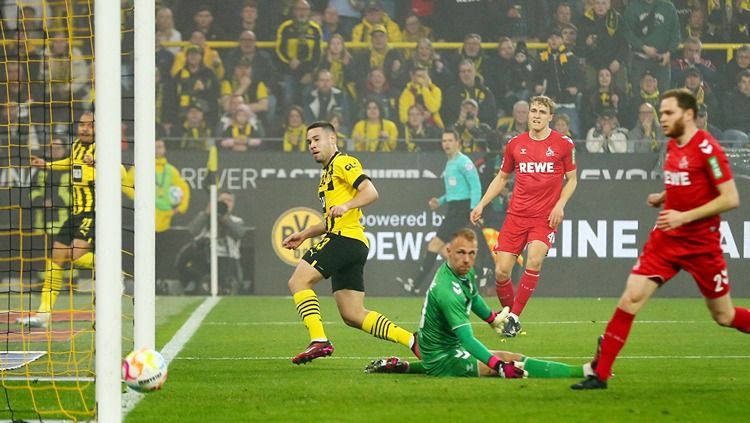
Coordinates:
(47, 307)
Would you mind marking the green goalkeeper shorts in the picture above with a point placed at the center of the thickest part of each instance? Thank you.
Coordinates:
(454, 363)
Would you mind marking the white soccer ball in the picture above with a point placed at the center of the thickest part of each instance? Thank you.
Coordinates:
(175, 195)
(144, 370)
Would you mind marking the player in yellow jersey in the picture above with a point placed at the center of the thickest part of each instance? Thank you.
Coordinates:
(75, 240)
(342, 253)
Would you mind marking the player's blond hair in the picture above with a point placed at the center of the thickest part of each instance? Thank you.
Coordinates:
(465, 233)
(544, 101)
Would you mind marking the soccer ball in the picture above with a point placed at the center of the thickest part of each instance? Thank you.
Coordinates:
(144, 370)
(175, 195)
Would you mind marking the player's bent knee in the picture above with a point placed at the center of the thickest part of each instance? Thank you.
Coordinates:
(723, 318)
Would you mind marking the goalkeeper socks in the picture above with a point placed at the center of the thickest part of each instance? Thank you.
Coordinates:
(525, 289)
(51, 288)
(379, 326)
(308, 308)
(86, 261)
(741, 319)
(416, 367)
(428, 262)
(550, 369)
(615, 336)
(504, 291)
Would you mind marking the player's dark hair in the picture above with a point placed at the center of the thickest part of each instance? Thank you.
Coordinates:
(322, 124)
(452, 132)
(465, 233)
(685, 99)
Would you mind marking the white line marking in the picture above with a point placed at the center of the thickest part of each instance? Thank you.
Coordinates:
(131, 398)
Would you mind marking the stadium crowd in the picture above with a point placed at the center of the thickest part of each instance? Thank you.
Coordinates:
(604, 62)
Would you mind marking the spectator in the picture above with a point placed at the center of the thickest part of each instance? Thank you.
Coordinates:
(648, 92)
(331, 24)
(341, 64)
(204, 22)
(374, 133)
(691, 59)
(253, 91)
(373, 17)
(197, 82)
(740, 26)
(702, 92)
(164, 57)
(229, 105)
(561, 124)
(380, 55)
(603, 43)
(607, 136)
(522, 20)
(238, 136)
(349, 12)
(324, 99)
(563, 16)
(470, 51)
(455, 16)
(295, 130)
(65, 68)
(413, 32)
(377, 89)
(195, 133)
(739, 63)
(469, 86)
(569, 34)
(298, 47)
(698, 27)
(701, 121)
(736, 111)
(559, 76)
(343, 141)
(647, 135)
(426, 57)
(423, 92)
(166, 30)
(652, 30)
(211, 58)
(498, 78)
(522, 72)
(263, 66)
(418, 134)
(602, 96)
(470, 129)
(251, 20)
(228, 243)
(517, 122)
(18, 133)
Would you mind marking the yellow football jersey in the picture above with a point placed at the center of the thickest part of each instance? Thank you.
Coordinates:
(338, 184)
(82, 175)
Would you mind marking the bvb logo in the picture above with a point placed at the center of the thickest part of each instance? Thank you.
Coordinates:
(289, 222)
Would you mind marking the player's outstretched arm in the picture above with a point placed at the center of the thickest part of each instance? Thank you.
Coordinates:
(727, 199)
(366, 195)
(496, 187)
(294, 240)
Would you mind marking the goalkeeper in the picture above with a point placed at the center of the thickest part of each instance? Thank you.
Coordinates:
(445, 336)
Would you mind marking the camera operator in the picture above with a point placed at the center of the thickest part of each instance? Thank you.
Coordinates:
(195, 268)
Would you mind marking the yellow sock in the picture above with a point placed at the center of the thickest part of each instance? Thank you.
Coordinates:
(308, 308)
(52, 285)
(379, 326)
(86, 261)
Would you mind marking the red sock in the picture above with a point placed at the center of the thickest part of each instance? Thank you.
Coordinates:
(525, 289)
(504, 290)
(615, 336)
(741, 319)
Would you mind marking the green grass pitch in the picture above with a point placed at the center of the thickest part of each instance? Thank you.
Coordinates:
(677, 366)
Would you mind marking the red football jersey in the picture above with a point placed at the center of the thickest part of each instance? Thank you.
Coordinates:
(691, 173)
(540, 167)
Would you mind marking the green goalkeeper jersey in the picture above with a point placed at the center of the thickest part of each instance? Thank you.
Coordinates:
(447, 306)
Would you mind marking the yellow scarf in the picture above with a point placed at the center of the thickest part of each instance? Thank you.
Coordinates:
(377, 58)
(544, 56)
(611, 20)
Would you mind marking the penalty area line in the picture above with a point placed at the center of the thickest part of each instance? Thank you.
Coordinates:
(588, 357)
(174, 346)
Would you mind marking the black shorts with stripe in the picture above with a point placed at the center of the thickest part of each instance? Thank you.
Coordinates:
(456, 217)
(78, 226)
(340, 258)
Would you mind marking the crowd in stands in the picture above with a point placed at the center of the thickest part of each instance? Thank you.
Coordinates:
(604, 62)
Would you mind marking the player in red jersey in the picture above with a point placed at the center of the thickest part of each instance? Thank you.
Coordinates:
(698, 186)
(544, 162)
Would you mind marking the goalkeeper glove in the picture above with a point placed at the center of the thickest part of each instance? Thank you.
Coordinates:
(508, 370)
(498, 320)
